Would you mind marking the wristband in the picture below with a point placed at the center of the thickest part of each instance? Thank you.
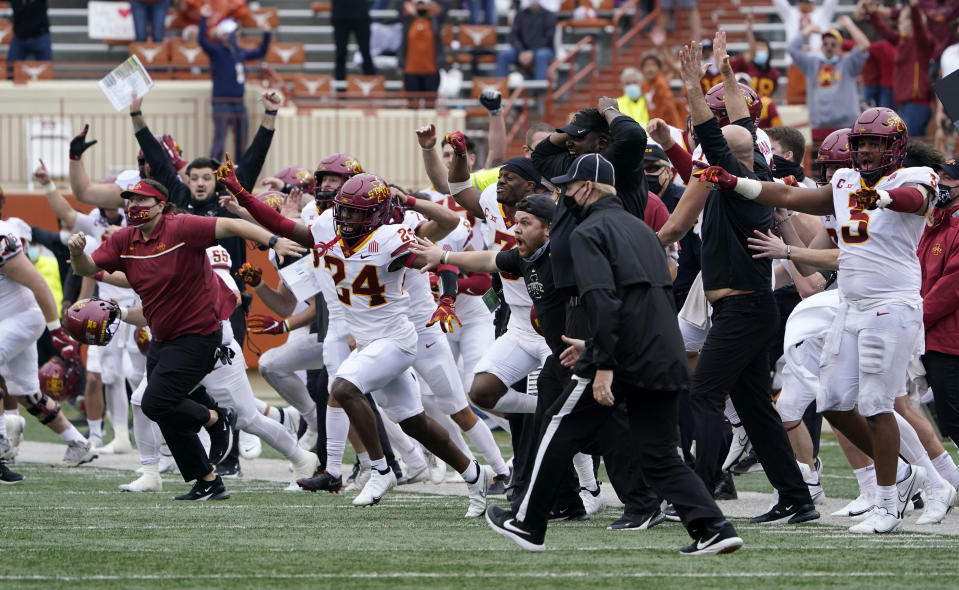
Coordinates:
(124, 312)
(55, 324)
(458, 187)
(603, 112)
(410, 201)
(286, 325)
(749, 188)
(789, 252)
(884, 199)
(136, 113)
(444, 256)
(49, 187)
(271, 113)
(272, 242)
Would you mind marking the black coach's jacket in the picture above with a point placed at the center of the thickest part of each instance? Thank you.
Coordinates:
(621, 273)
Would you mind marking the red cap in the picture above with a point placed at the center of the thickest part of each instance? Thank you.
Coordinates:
(142, 188)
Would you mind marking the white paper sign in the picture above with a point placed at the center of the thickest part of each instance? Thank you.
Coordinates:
(110, 20)
(301, 278)
(124, 79)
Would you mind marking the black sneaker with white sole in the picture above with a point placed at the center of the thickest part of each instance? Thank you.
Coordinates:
(504, 523)
(787, 513)
(638, 523)
(716, 541)
(206, 490)
(671, 514)
(221, 434)
(229, 466)
(748, 464)
(500, 483)
(573, 512)
(8, 477)
(322, 481)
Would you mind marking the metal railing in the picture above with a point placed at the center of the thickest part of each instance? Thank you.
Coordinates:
(584, 45)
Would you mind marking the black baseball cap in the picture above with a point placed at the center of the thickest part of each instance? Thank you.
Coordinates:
(524, 167)
(541, 206)
(585, 121)
(592, 167)
(655, 152)
(950, 167)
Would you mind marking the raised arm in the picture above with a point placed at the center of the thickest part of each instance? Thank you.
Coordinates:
(862, 41)
(430, 256)
(99, 195)
(161, 169)
(251, 163)
(492, 99)
(433, 162)
(460, 187)
(81, 262)
(691, 68)
(735, 101)
(57, 201)
(440, 221)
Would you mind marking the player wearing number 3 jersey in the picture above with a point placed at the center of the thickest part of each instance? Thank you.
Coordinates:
(879, 210)
(366, 259)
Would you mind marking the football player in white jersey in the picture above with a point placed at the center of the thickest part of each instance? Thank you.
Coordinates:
(521, 350)
(227, 384)
(109, 367)
(26, 307)
(879, 208)
(366, 260)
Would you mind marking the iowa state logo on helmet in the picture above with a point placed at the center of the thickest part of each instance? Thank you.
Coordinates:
(895, 122)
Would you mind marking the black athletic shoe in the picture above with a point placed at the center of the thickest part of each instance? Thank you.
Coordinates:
(638, 523)
(671, 514)
(322, 481)
(572, 512)
(787, 513)
(206, 490)
(917, 501)
(503, 522)
(725, 488)
(229, 467)
(8, 477)
(723, 540)
(221, 435)
(500, 483)
(748, 464)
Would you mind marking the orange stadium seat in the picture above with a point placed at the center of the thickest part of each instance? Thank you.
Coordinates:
(30, 71)
(311, 85)
(478, 40)
(479, 85)
(185, 56)
(365, 85)
(263, 17)
(286, 53)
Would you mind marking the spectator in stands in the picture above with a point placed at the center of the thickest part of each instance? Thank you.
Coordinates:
(191, 11)
(797, 19)
(632, 103)
(229, 80)
(877, 74)
(421, 54)
(531, 42)
(769, 115)
(351, 16)
(949, 61)
(690, 8)
(477, 10)
(660, 100)
(152, 13)
(915, 47)
(831, 90)
(757, 62)
(789, 148)
(31, 33)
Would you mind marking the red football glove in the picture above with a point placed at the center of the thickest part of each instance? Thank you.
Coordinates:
(445, 314)
(172, 149)
(226, 175)
(264, 324)
(249, 274)
(866, 198)
(791, 181)
(457, 141)
(66, 346)
(723, 180)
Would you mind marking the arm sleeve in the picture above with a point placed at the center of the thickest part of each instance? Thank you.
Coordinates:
(681, 160)
(160, 167)
(251, 164)
(475, 283)
(266, 215)
(597, 285)
(107, 256)
(510, 262)
(856, 58)
(449, 285)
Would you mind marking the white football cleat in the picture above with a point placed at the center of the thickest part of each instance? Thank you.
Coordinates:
(148, 482)
(375, 488)
(477, 491)
(738, 448)
(437, 468)
(291, 420)
(816, 492)
(77, 454)
(167, 464)
(861, 505)
(251, 446)
(15, 427)
(908, 487)
(938, 504)
(593, 502)
(117, 446)
(305, 464)
(879, 522)
(361, 478)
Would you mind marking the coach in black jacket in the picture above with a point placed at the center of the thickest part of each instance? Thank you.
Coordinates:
(635, 357)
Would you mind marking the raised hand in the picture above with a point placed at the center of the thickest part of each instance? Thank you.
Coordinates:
(492, 101)
(79, 144)
(457, 141)
(41, 175)
(658, 130)
(226, 175)
(271, 99)
(250, 274)
(426, 136)
(720, 56)
(445, 314)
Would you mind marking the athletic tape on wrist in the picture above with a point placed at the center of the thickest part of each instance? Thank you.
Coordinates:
(749, 188)
(458, 187)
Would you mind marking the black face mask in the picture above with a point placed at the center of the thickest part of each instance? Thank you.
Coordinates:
(422, 11)
(783, 168)
(943, 197)
(652, 181)
(569, 201)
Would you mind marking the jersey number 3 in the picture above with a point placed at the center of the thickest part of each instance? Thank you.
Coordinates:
(367, 282)
(857, 232)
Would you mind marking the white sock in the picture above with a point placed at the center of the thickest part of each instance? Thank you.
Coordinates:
(118, 406)
(13, 412)
(148, 437)
(730, 412)
(96, 427)
(947, 468)
(866, 476)
(583, 464)
(515, 402)
(887, 497)
(261, 406)
(902, 470)
(71, 434)
(364, 459)
(337, 429)
(911, 448)
(380, 465)
(471, 473)
(481, 436)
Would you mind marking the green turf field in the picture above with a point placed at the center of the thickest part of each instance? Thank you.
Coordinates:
(72, 529)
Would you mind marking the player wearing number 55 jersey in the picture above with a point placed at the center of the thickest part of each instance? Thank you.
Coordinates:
(878, 208)
(366, 258)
